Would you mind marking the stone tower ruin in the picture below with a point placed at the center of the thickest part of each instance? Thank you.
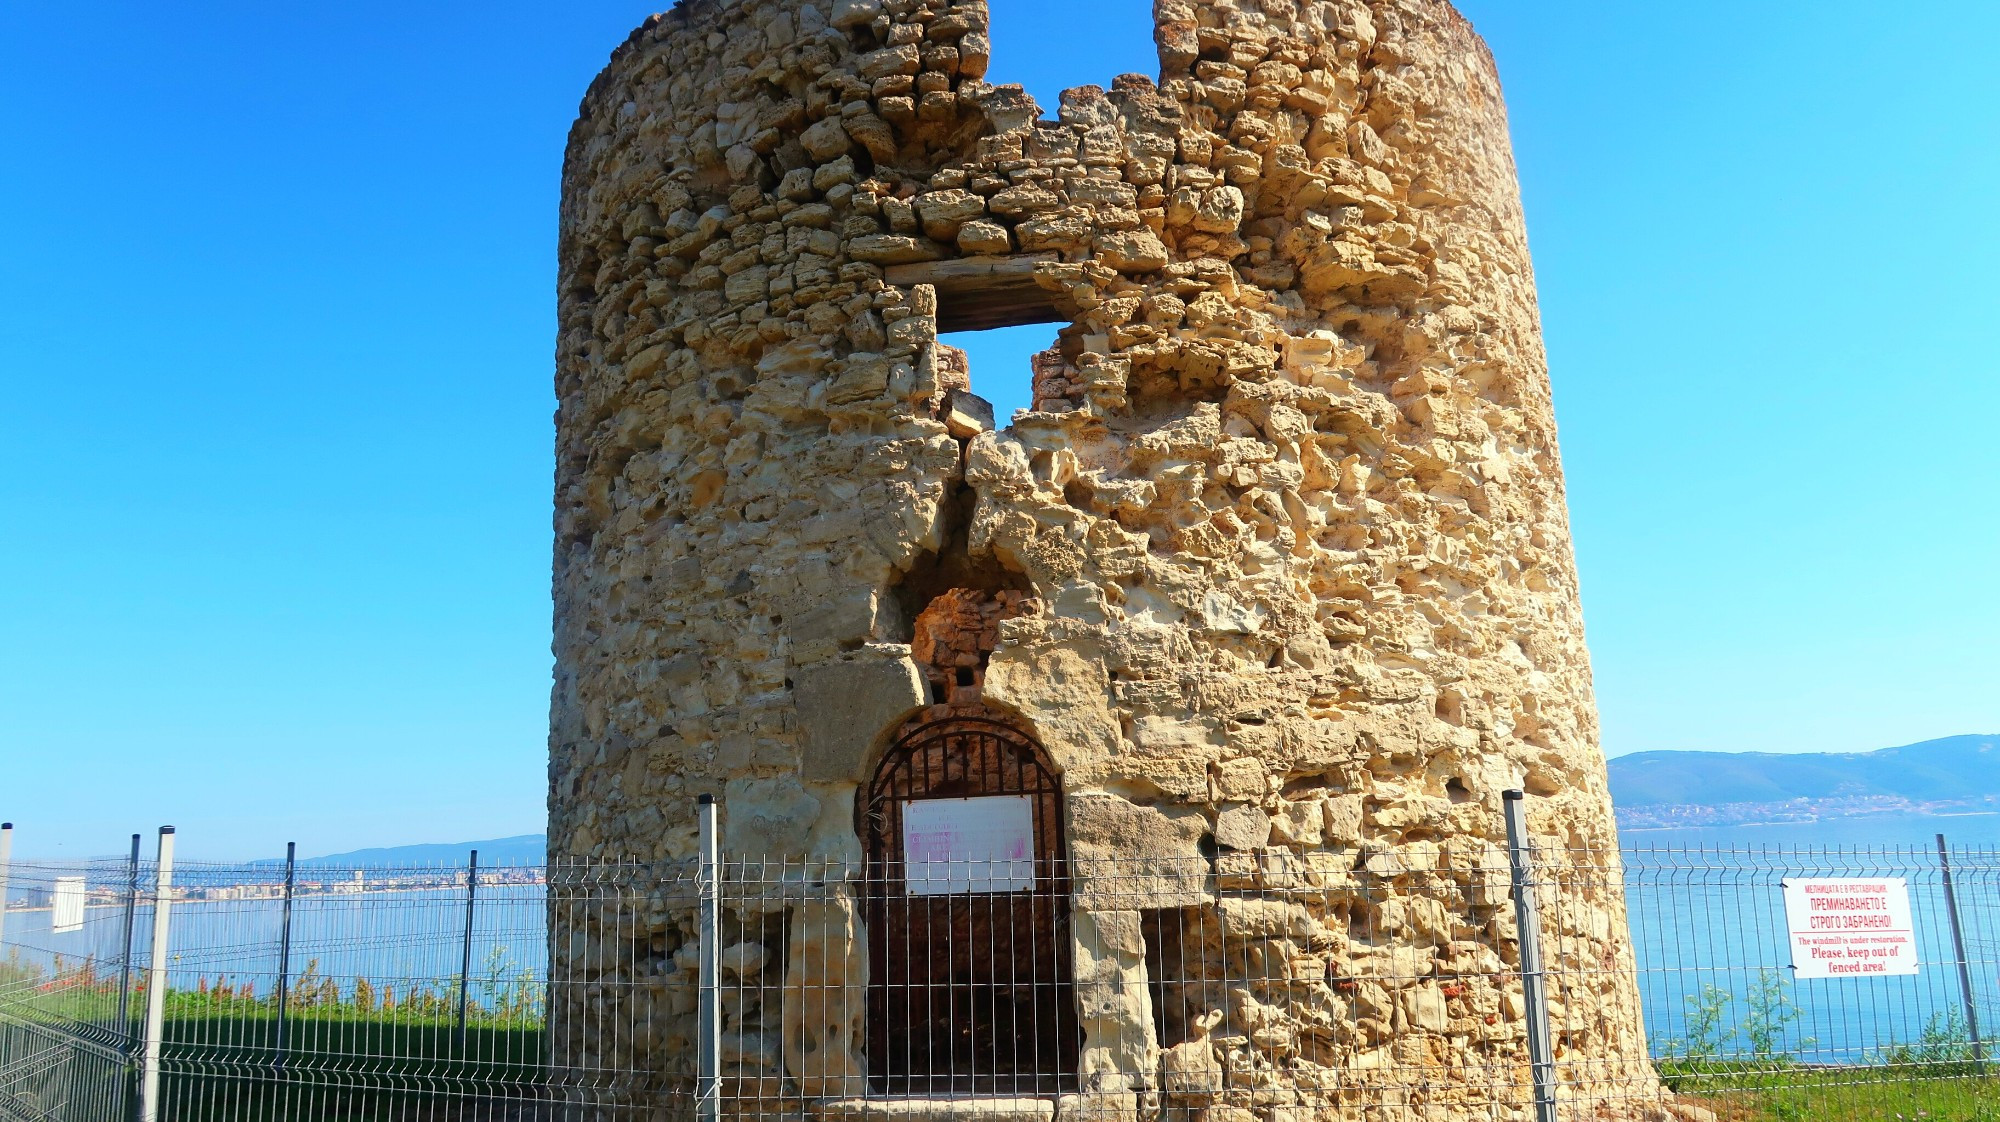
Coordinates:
(1272, 586)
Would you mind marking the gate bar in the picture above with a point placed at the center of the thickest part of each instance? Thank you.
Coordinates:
(1964, 967)
(1534, 979)
(156, 982)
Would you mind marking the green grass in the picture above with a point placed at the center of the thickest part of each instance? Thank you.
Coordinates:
(358, 1052)
(1936, 1092)
(344, 1066)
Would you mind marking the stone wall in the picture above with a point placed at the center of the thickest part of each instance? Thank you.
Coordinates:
(1283, 541)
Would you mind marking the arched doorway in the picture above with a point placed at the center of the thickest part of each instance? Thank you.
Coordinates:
(969, 986)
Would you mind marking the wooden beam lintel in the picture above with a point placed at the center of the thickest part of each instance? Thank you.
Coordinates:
(977, 293)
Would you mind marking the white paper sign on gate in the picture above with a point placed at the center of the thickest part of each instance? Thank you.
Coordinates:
(969, 845)
(1850, 927)
(66, 905)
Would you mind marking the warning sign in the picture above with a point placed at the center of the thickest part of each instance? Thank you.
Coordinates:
(969, 845)
(1846, 927)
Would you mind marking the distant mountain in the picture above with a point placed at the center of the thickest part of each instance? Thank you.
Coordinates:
(1954, 772)
(1956, 767)
(522, 849)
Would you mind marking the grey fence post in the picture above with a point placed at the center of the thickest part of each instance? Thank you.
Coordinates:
(285, 954)
(156, 982)
(708, 1010)
(1958, 950)
(465, 950)
(125, 963)
(1534, 980)
(6, 868)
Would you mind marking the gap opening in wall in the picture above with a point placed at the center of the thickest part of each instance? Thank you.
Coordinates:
(1001, 362)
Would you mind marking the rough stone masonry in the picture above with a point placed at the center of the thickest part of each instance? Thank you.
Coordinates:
(1276, 571)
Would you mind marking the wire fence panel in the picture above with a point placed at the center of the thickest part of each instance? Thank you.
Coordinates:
(343, 995)
(1272, 985)
(1732, 1026)
(67, 998)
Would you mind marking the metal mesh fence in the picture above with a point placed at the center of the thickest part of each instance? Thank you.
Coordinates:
(1382, 982)
(1734, 1013)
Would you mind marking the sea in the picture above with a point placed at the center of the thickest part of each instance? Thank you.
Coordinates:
(1705, 906)
(1869, 831)
(402, 943)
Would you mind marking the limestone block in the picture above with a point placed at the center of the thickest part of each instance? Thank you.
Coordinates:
(992, 461)
(826, 616)
(974, 51)
(1158, 736)
(1424, 1008)
(766, 817)
(1225, 613)
(1024, 200)
(903, 59)
(1219, 210)
(854, 13)
(1191, 1073)
(847, 704)
(865, 379)
(744, 958)
(1114, 1004)
(944, 212)
(1488, 878)
(1251, 917)
(871, 132)
(1062, 688)
(980, 236)
(1127, 856)
(1343, 819)
(1098, 1106)
(748, 285)
(1132, 251)
(1242, 826)
(967, 414)
(1300, 823)
(645, 363)
(826, 977)
(1059, 232)
(824, 141)
(894, 249)
(1243, 778)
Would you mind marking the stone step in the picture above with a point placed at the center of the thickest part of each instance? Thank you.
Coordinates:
(916, 1109)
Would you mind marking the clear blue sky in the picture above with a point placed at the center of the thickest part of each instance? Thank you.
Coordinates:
(276, 305)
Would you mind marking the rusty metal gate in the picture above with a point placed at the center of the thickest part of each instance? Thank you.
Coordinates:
(969, 988)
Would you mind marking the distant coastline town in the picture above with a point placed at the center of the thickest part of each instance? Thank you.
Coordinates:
(105, 891)
(1796, 810)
